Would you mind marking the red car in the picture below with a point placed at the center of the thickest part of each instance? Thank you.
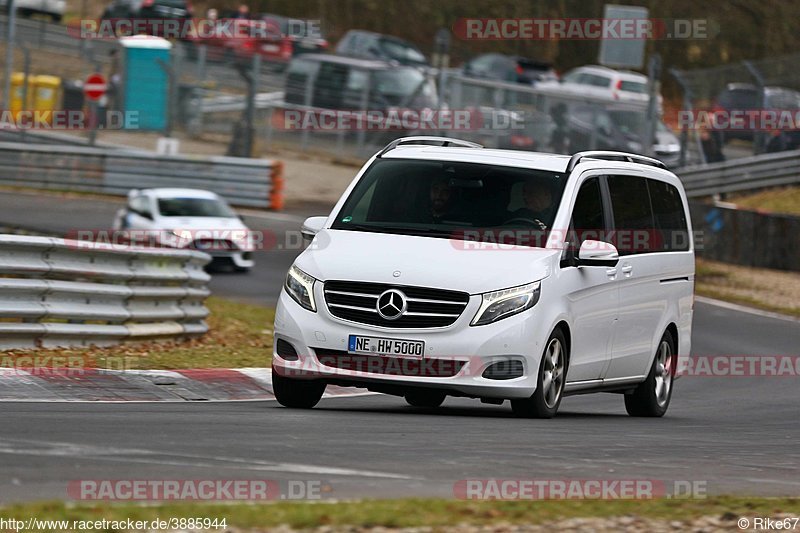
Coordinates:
(277, 39)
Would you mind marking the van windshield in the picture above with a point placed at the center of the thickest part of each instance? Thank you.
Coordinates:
(456, 200)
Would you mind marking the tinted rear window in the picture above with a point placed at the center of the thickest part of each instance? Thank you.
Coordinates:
(670, 218)
(648, 216)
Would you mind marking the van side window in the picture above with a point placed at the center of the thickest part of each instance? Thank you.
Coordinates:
(670, 218)
(588, 221)
(633, 215)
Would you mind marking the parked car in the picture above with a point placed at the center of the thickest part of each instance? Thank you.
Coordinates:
(743, 97)
(783, 139)
(618, 129)
(188, 218)
(604, 82)
(514, 130)
(25, 8)
(279, 41)
(148, 10)
(411, 304)
(340, 83)
(371, 45)
(736, 97)
(502, 67)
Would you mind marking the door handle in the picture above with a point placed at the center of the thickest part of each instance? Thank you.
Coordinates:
(611, 273)
(627, 269)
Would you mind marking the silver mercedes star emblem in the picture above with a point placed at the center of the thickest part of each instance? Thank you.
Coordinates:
(391, 304)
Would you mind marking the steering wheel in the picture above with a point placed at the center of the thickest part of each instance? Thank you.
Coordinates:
(528, 221)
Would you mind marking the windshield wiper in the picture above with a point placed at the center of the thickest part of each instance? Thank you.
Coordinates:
(399, 230)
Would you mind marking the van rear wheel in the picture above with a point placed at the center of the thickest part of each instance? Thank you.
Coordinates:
(296, 393)
(550, 384)
(651, 398)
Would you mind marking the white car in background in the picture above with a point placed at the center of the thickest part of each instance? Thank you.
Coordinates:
(594, 80)
(25, 8)
(188, 218)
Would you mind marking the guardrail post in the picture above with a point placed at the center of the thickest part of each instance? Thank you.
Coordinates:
(276, 190)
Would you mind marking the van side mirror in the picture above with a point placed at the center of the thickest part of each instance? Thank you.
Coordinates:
(597, 253)
(311, 226)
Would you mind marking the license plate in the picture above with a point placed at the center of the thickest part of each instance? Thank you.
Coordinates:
(380, 346)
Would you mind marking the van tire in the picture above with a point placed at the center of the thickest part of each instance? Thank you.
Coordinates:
(647, 400)
(544, 403)
(296, 393)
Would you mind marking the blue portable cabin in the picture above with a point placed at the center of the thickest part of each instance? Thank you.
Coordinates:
(144, 83)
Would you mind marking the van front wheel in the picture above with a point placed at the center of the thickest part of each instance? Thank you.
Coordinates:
(296, 393)
(550, 383)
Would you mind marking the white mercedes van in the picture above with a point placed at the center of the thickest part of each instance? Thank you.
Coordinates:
(447, 269)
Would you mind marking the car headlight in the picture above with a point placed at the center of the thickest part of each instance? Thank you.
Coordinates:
(497, 305)
(300, 287)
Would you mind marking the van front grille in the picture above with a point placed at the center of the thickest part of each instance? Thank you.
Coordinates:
(426, 307)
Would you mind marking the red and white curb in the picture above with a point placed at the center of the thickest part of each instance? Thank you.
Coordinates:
(98, 385)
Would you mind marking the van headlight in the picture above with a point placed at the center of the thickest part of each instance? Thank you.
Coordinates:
(300, 287)
(497, 305)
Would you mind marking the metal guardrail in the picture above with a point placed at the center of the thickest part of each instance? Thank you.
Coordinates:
(56, 292)
(747, 173)
(244, 182)
(232, 103)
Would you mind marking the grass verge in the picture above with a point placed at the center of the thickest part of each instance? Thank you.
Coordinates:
(240, 335)
(782, 200)
(412, 512)
(770, 290)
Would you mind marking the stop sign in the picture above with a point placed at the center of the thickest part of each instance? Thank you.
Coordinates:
(95, 86)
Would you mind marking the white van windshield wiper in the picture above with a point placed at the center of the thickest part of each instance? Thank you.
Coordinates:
(400, 230)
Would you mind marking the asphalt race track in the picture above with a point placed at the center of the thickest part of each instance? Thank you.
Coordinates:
(728, 434)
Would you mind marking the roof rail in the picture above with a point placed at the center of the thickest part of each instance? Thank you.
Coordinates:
(428, 140)
(604, 154)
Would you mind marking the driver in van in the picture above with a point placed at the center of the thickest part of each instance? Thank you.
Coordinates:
(539, 206)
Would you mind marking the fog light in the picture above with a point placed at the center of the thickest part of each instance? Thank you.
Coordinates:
(286, 351)
(508, 369)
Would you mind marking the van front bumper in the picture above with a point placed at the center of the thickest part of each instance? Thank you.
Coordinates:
(454, 360)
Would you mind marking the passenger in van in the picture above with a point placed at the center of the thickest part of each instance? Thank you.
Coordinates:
(441, 199)
(539, 205)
